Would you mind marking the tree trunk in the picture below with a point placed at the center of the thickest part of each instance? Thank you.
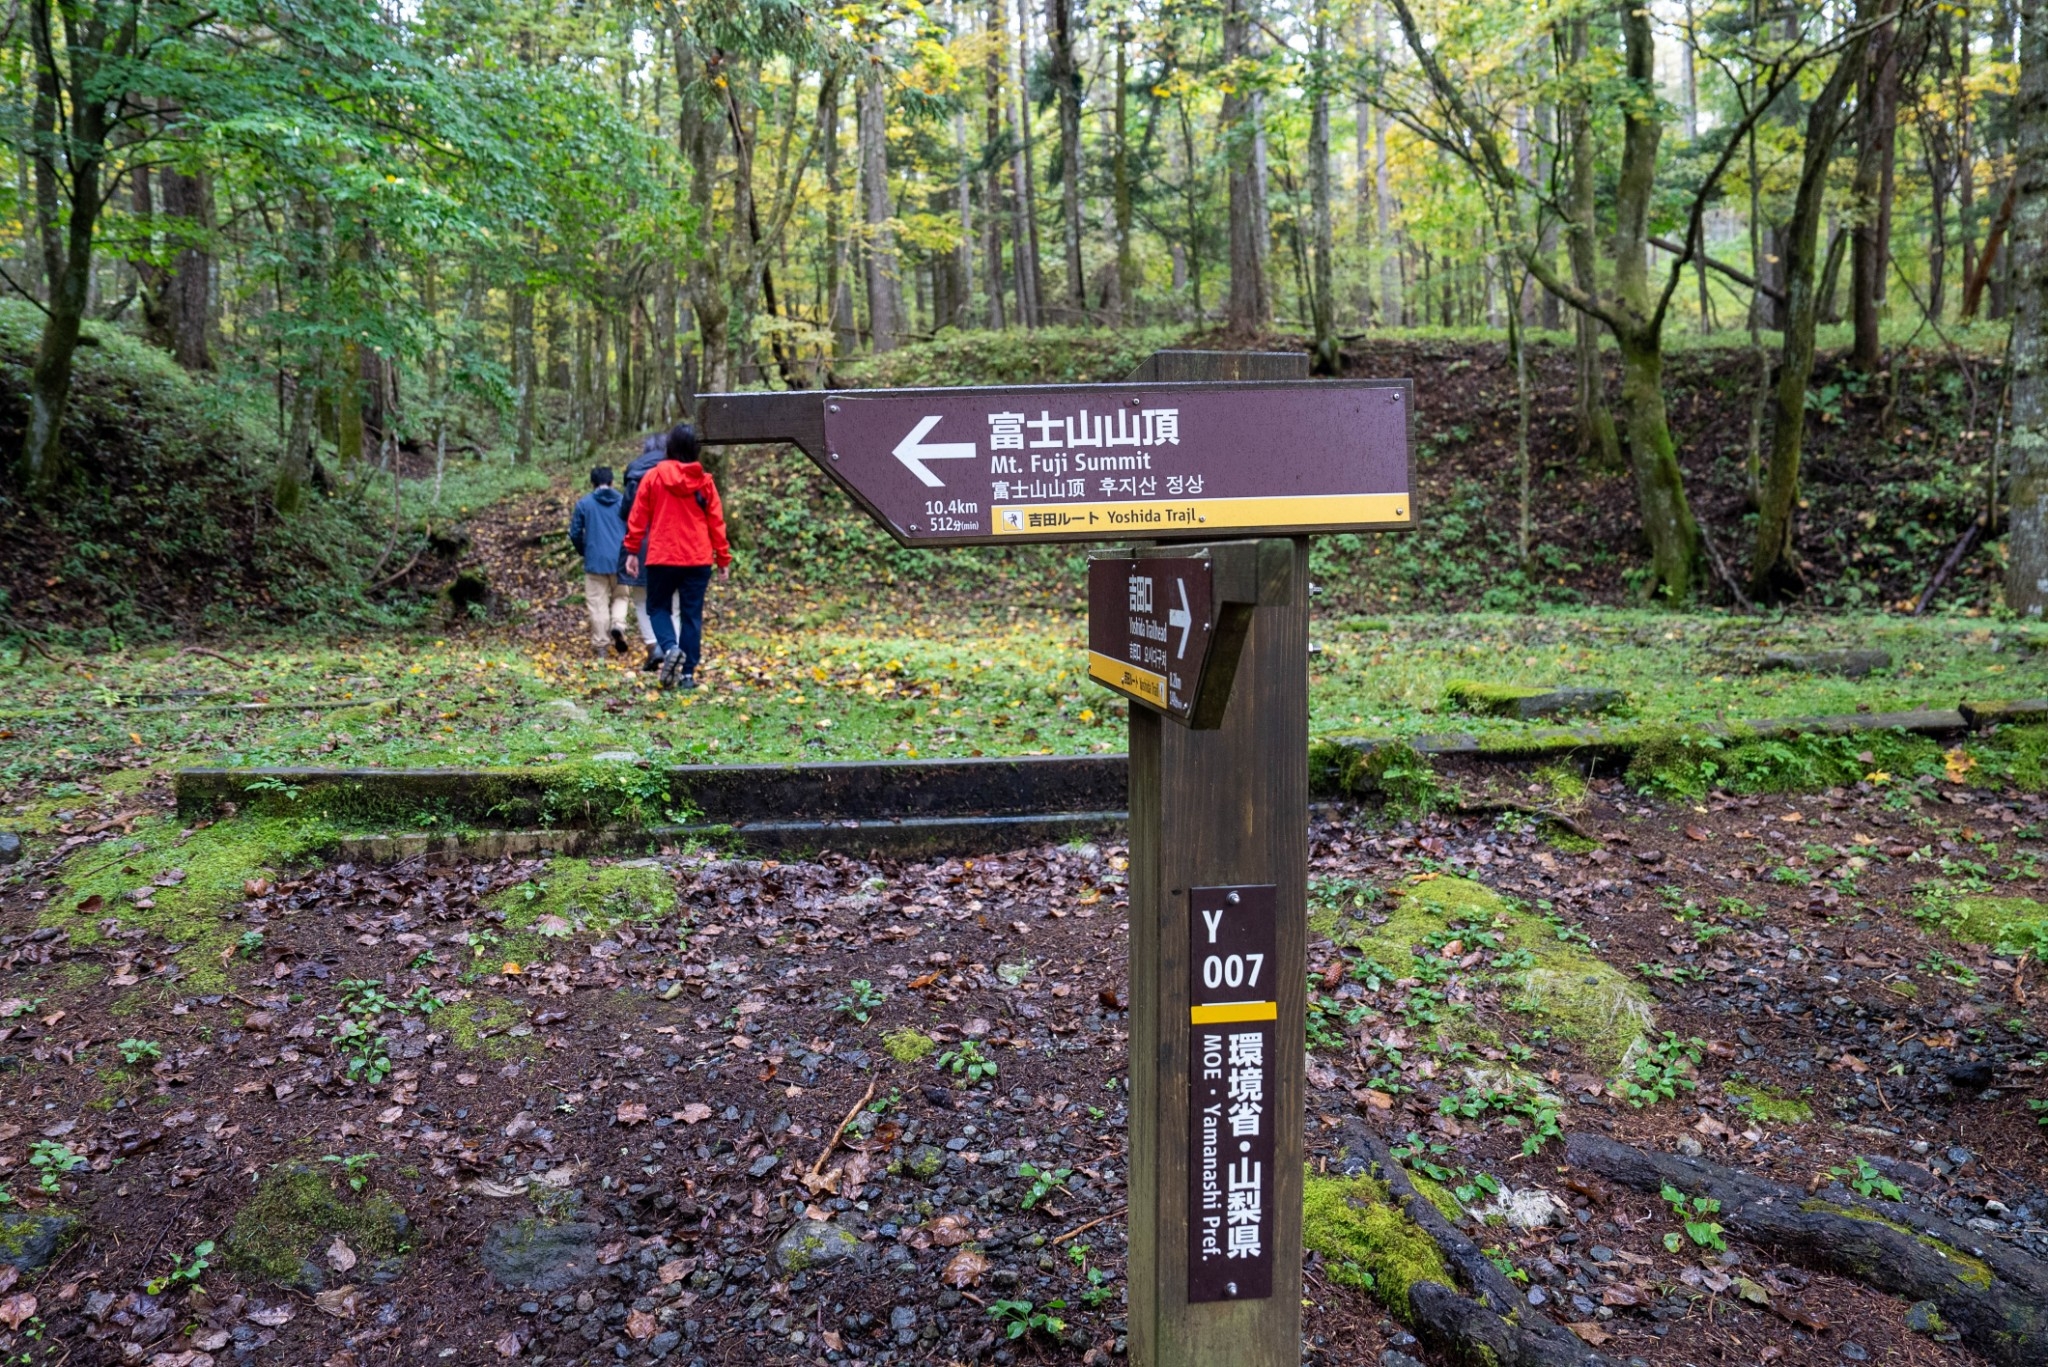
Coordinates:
(1030, 264)
(1996, 1297)
(1667, 519)
(2026, 582)
(700, 136)
(1322, 262)
(1120, 176)
(1250, 308)
(992, 105)
(67, 241)
(1878, 108)
(1066, 84)
(885, 303)
(1383, 194)
(523, 371)
(1773, 569)
(1599, 443)
(188, 292)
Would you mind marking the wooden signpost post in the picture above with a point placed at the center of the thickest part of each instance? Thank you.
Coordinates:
(1208, 638)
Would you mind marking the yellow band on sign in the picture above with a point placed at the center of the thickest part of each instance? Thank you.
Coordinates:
(1127, 678)
(1198, 514)
(1231, 1013)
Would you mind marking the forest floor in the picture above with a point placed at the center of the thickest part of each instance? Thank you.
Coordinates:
(701, 1109)
(592, 1106)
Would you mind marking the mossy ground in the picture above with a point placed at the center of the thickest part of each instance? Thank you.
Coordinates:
(297, 1210)
(1563, 988)
(1365, 1241)
(482, 1025)
(1767, 1107)
(2006, 924)
(909, 1046)
(1486, 699)
(588, 895)
(193, 877)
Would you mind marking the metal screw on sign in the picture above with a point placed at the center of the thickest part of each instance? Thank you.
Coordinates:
(1207, 636)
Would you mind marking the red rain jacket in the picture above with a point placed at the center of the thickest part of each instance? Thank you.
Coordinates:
(677, 517)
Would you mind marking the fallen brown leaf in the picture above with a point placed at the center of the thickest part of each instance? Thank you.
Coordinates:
(16, 1308)
(963, 1269)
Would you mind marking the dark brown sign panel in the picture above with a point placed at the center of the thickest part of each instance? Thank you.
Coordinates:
(1150, 622)
(1124, 462)
(1233, 1004)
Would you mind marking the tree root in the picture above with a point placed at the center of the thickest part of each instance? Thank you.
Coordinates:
(1996, 1298)
(1495, 1323)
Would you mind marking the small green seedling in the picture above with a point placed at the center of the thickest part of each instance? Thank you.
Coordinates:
(186, 1271)
(355, 1168)
(967, 1062)
(1866, 1181)
(52, 1160)
(250, 944)
(1019, 1318)
(1697, 1213)
(2040, 1110)
(134, 1051)
(1044, 1182)
(1670, 1066)
(859, 1000)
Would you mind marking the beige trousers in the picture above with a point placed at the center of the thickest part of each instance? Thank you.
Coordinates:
(608, 605)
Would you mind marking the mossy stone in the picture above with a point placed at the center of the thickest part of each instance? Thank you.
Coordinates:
(817, 1243)
(1366, 1242)
(298, 1209)
(1567, 989)
(532, 1254)
(29, 1243)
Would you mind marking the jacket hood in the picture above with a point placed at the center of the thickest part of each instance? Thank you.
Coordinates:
(606, 495)
(689, 473)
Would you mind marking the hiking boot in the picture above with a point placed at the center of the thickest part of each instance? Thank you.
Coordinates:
(618, 641)
(671, 667)
(652, 662)
(687, 681)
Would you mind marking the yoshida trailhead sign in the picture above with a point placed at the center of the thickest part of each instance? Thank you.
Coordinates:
(1214, 468)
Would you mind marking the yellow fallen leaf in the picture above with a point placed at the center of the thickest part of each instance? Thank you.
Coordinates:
(1958, 762)
(1877, 776)
(511, 968)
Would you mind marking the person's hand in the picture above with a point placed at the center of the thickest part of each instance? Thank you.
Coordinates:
(724, 573)
(632, 566)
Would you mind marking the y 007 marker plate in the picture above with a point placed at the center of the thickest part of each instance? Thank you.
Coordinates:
(1232, 1006)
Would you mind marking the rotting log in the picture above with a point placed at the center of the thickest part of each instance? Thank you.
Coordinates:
(1494, 1323)
(1996, 1298)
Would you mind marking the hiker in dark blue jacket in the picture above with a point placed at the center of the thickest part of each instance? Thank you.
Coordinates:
(652, 452)
(596, 530)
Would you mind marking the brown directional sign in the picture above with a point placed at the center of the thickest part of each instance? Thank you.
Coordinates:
(1119, 462)
(1150, 624)
(1233, 1004)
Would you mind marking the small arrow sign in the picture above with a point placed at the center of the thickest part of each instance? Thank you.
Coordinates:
(1181, 619)
(914, 454)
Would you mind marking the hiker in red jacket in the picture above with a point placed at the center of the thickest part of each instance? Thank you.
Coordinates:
(678, 529)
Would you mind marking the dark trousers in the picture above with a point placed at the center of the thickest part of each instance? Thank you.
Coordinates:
(682, 585)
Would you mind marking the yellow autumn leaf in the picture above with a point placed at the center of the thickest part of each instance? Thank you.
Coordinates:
(512, 968)
(1877, 776)
(1958, 762)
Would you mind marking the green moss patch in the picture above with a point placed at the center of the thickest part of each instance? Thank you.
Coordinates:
(177, 883)
(1683, 764)
(1767, 1107)
(585, 894)
(1562, 987)
(284, 1231)
(1969, 1271)
(2009, 925)
(1366, 1242)
(481, 1027)
(1486, 699)
(908, 1046)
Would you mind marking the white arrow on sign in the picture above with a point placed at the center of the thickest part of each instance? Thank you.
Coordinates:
(1180, 617)
(913, 454)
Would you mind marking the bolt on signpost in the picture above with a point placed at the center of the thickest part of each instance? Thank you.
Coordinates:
(1221, 464)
